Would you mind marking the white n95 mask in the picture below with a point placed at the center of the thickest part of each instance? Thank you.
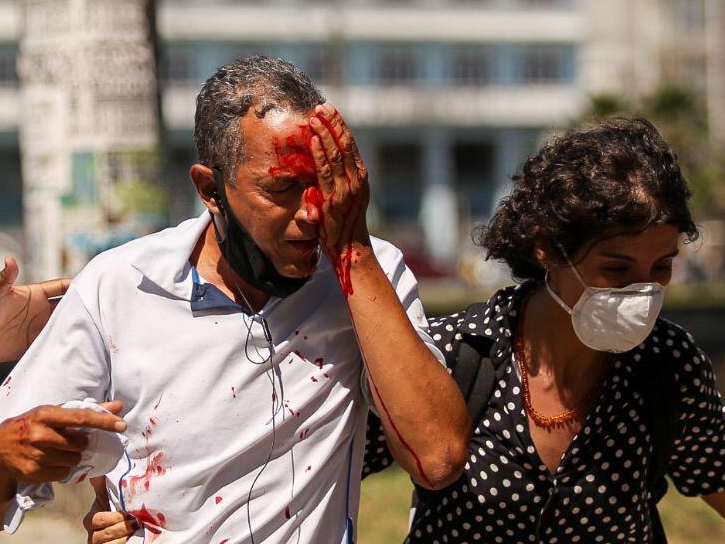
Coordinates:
(613, 319)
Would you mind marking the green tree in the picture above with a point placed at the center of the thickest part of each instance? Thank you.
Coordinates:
(680, 115)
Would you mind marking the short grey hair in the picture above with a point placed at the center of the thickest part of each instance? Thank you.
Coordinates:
(263, 82)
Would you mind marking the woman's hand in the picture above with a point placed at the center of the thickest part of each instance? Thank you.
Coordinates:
(24, 310)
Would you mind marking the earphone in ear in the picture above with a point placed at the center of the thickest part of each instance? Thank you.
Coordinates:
(215, 197)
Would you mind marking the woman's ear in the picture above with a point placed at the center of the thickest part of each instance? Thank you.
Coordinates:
(543, 251)
(203, 179)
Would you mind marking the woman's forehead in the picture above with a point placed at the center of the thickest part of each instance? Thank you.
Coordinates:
(653, 239)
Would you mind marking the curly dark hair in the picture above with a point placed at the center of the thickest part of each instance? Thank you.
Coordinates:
(615, 176)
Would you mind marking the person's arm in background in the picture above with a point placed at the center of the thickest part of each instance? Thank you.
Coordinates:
(717, 502)
(422, 410)
(67, 361)
(24, 310)
(45, 443)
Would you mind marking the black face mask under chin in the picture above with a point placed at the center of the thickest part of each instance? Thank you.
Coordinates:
(244, 255)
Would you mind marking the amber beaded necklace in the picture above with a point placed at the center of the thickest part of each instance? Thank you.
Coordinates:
(541, 420)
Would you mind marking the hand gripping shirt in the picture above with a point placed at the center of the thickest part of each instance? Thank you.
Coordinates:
(206, 408)
(599, 493)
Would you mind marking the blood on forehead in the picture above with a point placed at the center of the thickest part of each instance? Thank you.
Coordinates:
(294, 157)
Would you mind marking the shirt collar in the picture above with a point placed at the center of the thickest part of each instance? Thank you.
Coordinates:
(206, 296)
(164, 258)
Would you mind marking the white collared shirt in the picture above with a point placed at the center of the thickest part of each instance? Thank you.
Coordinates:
(197, 390)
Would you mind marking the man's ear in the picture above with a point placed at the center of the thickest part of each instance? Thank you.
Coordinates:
(203, 179)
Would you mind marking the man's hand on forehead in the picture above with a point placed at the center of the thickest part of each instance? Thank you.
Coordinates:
(341, 195)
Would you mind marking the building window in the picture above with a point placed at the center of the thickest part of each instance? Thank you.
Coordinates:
(398, 65)
(474, 170)
(471, 65)
(399, 171)
(544, 64)
(322, 63)
(177, 64)
(11, 203)
(8, 59)
(547, 3)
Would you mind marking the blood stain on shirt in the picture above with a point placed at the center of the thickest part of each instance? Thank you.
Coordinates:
(304, 434)
(146, 433)
(291, 411)
(112, 345)
(309, 467)
(217, 499)
(287, 513)
(234, 393)
(7, 381)
(314, 379)
(159, 401)
(153, 469)
(224, 541)
(151, 523)
(319, 362)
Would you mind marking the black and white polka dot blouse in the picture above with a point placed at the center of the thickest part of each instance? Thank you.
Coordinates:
(599, 493)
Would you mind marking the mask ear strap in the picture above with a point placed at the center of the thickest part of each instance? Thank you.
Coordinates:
(576, 272)
(556, 297)
(219, 185)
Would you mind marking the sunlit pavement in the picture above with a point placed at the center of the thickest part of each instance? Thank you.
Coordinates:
(42, 529)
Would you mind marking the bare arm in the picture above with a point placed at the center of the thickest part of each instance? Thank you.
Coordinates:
(423, 413)
(24, 310)
(43, 444)
(717, 501)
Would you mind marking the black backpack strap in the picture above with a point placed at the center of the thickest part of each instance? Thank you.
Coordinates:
(473, 372)
(474, 375)
(661, 407)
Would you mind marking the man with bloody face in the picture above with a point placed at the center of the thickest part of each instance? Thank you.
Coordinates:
(248, 344)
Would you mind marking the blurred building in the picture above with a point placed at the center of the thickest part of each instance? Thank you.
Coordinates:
(446, 97)
(637, 45)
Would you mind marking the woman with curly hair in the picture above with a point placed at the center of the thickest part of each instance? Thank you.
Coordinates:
(593, 398)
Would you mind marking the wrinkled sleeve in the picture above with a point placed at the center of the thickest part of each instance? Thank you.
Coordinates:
(68, 361)
(697, 466)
